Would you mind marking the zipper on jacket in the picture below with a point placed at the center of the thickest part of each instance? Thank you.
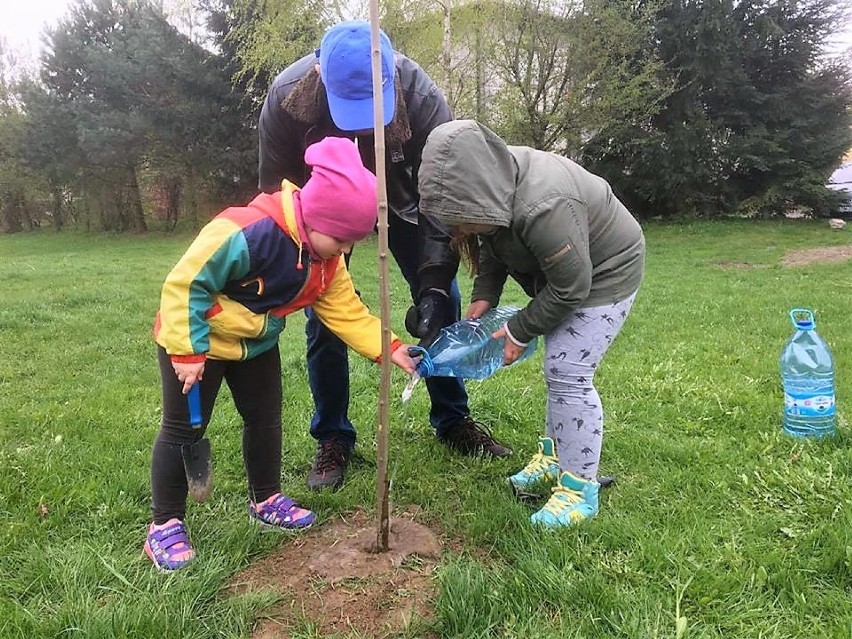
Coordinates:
(558, 254)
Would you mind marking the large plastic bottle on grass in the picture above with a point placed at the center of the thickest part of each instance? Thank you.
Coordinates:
(807, 371)
(467, 350)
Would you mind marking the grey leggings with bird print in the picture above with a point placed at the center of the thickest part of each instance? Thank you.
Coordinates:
(573, 351)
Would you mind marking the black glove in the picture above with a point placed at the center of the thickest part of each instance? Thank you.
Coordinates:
(429, 316)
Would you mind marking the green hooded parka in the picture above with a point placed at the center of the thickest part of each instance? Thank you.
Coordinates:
(561, 232)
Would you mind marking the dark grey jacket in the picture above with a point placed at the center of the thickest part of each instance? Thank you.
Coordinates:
(561, 233)
(295, 115)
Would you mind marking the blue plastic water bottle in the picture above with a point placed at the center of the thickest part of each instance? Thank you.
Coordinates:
(466, 349)
(807, 371)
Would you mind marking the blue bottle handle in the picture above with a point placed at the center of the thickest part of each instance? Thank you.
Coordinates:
(804, 324)
(194, 401)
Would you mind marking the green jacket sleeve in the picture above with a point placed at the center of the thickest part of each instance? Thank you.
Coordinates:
(488, 284)
(557, 234)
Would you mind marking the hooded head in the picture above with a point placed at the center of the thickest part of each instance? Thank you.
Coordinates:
(339, 199)
(467, 175)
(347, 73)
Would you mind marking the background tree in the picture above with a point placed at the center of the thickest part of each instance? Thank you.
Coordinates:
(50, 149)
(14, 213)
(799, 122)
(19, 185)
(544, 73)
(262, 37)
(757, 118)
(688, 107)
(144, 103)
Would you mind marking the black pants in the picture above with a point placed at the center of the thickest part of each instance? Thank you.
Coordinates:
(256, 388)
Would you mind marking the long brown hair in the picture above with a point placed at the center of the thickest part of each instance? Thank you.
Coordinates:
(467, 247)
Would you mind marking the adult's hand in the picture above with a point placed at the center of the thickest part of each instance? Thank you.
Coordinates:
(429, 316)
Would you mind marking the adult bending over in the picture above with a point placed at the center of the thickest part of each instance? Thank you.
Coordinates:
(329, 93)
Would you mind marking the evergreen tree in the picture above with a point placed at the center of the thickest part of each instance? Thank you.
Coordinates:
(147, 106)
(20, 186)
(756, 120)
(259, 38)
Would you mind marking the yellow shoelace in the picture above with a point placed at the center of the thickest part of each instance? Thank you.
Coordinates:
(539, 463)
(562, 499)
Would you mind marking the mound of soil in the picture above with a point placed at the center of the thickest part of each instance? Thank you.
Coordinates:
(333, 578)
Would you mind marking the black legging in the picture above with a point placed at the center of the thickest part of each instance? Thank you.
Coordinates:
(256, 388)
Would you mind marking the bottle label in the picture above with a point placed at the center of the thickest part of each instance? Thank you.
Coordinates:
(809, 405)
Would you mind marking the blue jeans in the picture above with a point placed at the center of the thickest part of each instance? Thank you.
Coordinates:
(328, 361)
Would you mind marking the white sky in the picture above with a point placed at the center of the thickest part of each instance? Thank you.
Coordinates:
(22, 22)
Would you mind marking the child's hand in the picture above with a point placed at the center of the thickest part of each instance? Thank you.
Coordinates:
(401, 358)
(511, 351)
(477, 309)
(188, 373)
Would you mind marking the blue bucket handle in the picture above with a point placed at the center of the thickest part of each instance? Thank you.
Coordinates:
(805, 321)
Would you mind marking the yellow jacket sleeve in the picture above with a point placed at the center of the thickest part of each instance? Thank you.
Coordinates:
(345, 315)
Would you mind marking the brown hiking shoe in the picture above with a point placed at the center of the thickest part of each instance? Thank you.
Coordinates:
(470, 437)
(329, 467)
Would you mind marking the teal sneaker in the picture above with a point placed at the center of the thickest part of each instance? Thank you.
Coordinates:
(543, 468)
(574, 499)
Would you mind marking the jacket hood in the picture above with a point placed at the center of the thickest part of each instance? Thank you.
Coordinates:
(467, 175)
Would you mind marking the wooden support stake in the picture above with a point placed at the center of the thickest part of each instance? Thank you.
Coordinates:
(382, 483)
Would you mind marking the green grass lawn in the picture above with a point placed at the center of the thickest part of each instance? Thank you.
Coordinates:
(719, 524)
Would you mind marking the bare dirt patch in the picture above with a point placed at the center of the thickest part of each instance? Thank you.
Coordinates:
(332, 578)
(820, 254)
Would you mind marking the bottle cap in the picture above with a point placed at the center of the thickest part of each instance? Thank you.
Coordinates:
(803, 319)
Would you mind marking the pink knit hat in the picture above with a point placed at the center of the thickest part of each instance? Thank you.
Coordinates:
(339, 199)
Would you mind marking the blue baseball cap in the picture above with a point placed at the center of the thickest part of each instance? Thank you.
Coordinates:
(347, 73)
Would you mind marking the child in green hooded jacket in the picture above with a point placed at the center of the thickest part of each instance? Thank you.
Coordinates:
(561, 233)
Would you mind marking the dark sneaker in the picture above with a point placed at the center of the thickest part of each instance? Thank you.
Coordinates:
(329, 467)
(470, 437)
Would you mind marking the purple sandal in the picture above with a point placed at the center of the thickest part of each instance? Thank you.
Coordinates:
(282, 512)
(168, 545)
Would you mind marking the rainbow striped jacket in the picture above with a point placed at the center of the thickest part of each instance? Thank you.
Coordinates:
(228, 296)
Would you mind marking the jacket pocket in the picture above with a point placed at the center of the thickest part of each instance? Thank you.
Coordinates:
(229, 318)
(274, 326)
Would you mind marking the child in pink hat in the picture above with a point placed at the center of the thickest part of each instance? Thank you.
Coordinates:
(222, 310)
